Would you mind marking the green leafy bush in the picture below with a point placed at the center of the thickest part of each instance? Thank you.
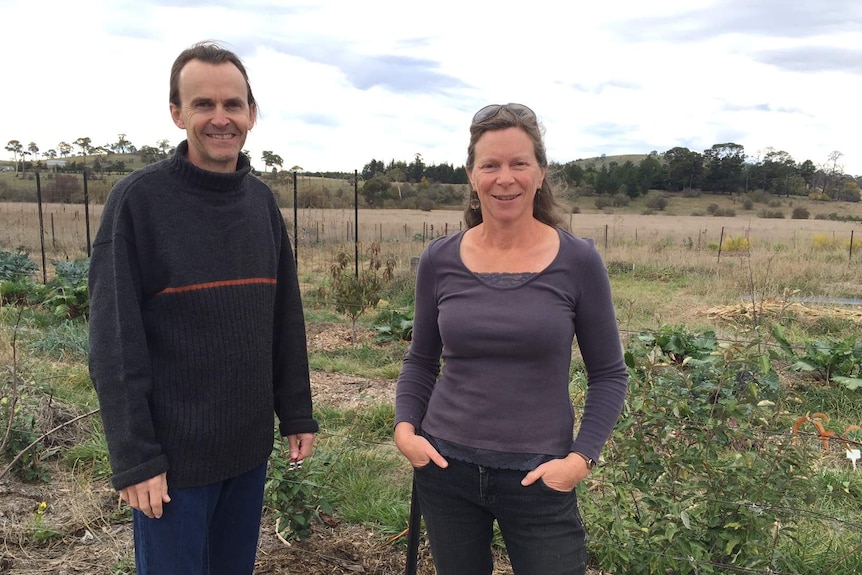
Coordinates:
(15, 265)
(830, 359)
(294, 494)
(393, 325)
(353, 294)
(699, 481)
(68, 295)
(16, 278)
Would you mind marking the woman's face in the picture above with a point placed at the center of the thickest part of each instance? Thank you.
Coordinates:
(506, 174)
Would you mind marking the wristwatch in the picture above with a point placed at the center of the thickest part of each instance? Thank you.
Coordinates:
(591, 463)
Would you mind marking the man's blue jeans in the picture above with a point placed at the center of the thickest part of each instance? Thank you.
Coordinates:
(209, 530)
(541, 527)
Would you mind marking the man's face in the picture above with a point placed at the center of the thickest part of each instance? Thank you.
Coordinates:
(215, 113)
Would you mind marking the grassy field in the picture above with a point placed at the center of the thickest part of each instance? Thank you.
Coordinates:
(717, 453)
(667, 266)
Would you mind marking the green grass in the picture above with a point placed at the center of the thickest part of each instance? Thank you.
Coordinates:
(365, 360)
(372, 423)
(843, 405)
(67, 341)
(357, 469)
(90, 455)
(372, 487)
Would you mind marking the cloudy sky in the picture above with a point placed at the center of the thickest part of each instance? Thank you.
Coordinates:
(343, 82)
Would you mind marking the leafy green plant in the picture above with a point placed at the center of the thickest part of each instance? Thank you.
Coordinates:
(676, 343)
(15, 265)
(353, 294)
(697, 484)
(68, 295)
(41, 531)
(294, 493)
(16, 278)
(396, 326)
(23, 430)
(829, 359)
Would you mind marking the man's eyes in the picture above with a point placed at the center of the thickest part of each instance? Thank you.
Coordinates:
(205, 105)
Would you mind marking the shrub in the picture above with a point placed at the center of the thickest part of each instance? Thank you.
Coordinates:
(603, 202)
(620, 200)
(295, 492)
(424, 204)
(735, 244)
(16, 265)
(800, 213)
(353, 294)
(657, 203)
(773, 214)
(717, 211)
(68, 295)
(698, 484)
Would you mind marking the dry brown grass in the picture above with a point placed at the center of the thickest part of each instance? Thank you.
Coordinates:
(65, 230)
(678, 269)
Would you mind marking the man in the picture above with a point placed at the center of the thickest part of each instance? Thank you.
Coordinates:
(197, 335)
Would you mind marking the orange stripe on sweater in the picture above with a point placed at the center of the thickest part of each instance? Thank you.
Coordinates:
(224, 283)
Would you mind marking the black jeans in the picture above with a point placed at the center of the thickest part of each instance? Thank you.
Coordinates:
(541, 527)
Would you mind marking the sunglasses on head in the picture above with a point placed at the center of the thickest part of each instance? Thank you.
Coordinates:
(492, 109)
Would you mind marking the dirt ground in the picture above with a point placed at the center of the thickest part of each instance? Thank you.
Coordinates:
(72, 526)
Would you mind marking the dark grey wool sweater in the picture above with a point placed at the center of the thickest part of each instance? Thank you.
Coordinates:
(197, 335)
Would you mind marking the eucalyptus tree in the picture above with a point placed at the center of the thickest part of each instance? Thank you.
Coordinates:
(121, 145)
(84, 144)
(271, 159)
(164, 147)
(684, 169)
(16, 148)
(724, 168)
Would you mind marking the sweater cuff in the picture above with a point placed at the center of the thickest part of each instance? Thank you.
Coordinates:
(141, 473)
(583, 449)
(295, 426)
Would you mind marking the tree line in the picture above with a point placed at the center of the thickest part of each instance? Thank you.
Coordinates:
(722, 169)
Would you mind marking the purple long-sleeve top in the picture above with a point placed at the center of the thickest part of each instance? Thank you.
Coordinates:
(506, 353)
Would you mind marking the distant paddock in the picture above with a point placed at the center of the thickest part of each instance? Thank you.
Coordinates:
(65, 230)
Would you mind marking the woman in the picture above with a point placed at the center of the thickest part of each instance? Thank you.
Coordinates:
(500, 303)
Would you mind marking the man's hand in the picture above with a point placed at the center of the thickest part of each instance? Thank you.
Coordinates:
(148, 496)
(300, 445)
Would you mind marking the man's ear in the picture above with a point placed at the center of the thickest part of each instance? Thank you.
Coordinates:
(177, 117)
(252, 115)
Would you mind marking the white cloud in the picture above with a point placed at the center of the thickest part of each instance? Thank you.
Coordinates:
(342, 82)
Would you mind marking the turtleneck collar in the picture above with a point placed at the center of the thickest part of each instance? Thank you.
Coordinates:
(206, 180)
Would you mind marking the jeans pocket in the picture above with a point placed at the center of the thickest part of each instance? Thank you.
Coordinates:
(545, 487)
